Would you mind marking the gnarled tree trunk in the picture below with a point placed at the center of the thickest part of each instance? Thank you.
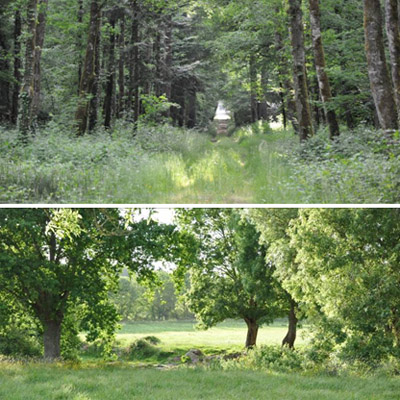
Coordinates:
(381, 87)
(299, 70)
(252, 331)
(320, 65)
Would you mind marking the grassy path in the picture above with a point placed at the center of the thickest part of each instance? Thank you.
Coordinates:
(160, 166)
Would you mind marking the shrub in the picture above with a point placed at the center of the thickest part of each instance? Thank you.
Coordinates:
(143, 348)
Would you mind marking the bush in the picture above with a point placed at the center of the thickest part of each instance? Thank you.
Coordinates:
(17, 342)
(143, 348)
(359, 166)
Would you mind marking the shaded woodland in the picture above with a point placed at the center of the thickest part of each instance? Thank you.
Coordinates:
(89, 63)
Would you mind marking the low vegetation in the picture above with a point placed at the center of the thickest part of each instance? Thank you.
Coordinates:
(149, 374)
(170, 165)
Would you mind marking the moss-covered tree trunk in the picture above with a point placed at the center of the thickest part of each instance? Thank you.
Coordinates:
(25, 122)
(17, 66)
(320, 66)
(88, 76)
(299, 70)
(393, 34)
(381, 86)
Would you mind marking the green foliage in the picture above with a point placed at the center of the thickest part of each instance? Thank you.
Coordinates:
(155, 108)
(361, 166)
(58, 266)
(143, 349)
(136, 302)
(229, 276)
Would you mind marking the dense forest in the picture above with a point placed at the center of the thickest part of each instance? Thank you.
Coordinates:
(92, 62)
(69, 275)
(107, 87)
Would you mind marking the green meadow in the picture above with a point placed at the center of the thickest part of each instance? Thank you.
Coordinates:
(109, 382)
(185, 335)
(94, 379)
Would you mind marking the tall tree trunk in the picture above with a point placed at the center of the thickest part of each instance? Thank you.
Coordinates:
(393, 33)
(320, 65)
(290, 337)
(290, 112)
(6, 72)
(191, 105)
(52, 338)
(252, 331)
(79, 40)
(253, 88)
(299, 70)
(17, 66)
(88, 78)
(121, 68)
(167, 73)
(263, 109)
(377, 68)
(94, 101)
(25, 123)
(283, 106)
(110, 76)
(40, 33)
(133, 84)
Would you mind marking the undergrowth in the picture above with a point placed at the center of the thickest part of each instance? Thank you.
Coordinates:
(170, 165)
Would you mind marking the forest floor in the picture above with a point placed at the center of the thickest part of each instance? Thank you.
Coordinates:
(159, 165)
(93, 379)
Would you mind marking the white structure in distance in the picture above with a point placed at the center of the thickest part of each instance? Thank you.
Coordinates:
(222, 114)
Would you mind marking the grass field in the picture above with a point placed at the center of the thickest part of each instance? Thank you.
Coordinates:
(184, 335)
(94, 379)
(109, 382)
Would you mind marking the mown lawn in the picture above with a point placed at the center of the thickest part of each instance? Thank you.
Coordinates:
(109, 382)
(184, 335)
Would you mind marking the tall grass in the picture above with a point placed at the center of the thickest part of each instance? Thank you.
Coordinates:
(109, 382)
(169, 165)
